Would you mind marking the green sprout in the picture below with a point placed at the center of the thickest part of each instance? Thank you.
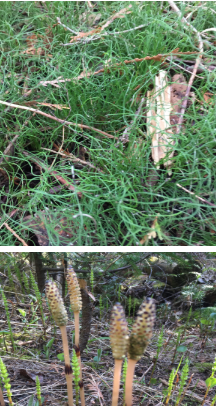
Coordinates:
(183, 379)
(6, 381)
(76, 374)
(210, 382)
(8, 318)
(171, 380)
(159, 345)
(38, 390)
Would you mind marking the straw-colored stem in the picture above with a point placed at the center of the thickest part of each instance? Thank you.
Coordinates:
(2, 402)
(82, 394)
(116, 381)
(129, 382)
(68, 369)
(76, 319)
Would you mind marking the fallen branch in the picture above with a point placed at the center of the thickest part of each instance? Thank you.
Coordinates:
(159, 57)
(18, 106)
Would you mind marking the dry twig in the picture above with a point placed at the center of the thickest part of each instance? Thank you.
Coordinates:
(159, 57)
(57, 119)
(15, 234)
(67, 28)
(74, 159)
(87, 40)
(200, 198)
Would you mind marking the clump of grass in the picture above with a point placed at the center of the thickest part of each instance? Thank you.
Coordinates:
(122, 196)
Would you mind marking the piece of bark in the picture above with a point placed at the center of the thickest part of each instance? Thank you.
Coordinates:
(158, 121)
(178, 91)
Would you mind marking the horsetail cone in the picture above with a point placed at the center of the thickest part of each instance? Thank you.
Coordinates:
(118, 332)
(74, 291)
(56, 303)
(142, 330)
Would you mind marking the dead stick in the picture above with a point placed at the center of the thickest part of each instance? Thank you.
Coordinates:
(159, 57)
(18, 106)
(74, 158)
(192, 193)
(15, 234)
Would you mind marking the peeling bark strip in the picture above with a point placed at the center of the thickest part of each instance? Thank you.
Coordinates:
(158, 120)
(164, 107)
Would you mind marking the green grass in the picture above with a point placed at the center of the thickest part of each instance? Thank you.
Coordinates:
(121, 203)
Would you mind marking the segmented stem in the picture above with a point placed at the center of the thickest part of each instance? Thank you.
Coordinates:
(119, 343)
(60, 316)
(141, 334)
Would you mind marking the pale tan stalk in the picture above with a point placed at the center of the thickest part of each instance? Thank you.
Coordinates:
(60, 316)
(68, 369)
(129, 382)
(119, 343)
(2, 402)
(76, 306)
(116, 381)
(76, 322)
